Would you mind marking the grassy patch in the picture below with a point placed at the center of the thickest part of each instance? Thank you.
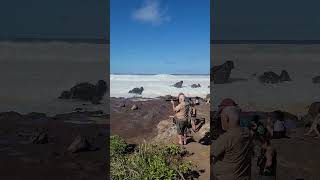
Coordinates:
(147, 161)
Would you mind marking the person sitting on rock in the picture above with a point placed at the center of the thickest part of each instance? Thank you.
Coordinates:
(314, 126)
(181, 118)
(267, 161)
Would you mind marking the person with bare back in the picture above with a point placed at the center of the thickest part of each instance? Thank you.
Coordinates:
(181, 118)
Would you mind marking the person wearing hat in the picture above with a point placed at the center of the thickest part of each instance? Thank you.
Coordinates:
(226, 103)
(231, 153)
(216, 126)
(181, 118)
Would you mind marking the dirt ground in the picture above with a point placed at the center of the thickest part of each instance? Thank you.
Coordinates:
(21, 159)
(138, 126)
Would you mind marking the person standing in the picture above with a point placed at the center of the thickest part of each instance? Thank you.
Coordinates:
(181, 118)
(232, 151)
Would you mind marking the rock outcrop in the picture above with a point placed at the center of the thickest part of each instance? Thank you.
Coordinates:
(221, 74)
(195, 85)
(272, 78)
(86, 92)
(137, 90)
(178, 84)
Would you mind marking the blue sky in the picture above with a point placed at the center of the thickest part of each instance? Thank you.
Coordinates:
(54, 19)
(160, 36)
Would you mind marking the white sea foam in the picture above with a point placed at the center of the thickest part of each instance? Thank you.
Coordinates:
(158, 85)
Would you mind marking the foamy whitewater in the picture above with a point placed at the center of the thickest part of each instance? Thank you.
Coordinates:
(158, 85)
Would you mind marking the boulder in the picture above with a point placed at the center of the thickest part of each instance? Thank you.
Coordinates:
(86, 92)
(272, 77)
(284, 76)
(137, 90)
(79, 144)
(83, 91)
(195, 85)
(221, 73)
(178, 84)
(316, 79)
(269, 77)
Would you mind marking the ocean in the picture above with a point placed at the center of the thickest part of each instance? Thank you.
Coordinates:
(33, 74)
(158, 85)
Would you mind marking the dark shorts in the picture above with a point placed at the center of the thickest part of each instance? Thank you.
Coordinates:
(182, 126)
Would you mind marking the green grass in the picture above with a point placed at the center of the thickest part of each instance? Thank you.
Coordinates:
(148, 161)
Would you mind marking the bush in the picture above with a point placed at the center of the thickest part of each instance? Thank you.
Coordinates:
(148, 161)
(117, 146)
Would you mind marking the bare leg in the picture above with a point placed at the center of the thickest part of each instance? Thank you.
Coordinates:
(180, 139)
(193, 126)
(184, 139)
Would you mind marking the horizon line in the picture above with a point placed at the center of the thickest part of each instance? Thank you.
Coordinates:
(265, 41)
(159, 73)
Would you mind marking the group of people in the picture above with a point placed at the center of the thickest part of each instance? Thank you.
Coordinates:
(185, 114)
(233, 150)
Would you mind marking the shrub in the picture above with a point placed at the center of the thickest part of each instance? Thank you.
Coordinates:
(117, 146)
(148, 161)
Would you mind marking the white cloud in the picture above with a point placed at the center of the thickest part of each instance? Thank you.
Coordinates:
(151, 12)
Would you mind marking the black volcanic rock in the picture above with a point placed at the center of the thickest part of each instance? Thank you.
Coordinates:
(221, 74)
(272, 77)
(269, 77)
(178, 84)
(284, 76)
(195, 85)
(137, 90)
(86, 92)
